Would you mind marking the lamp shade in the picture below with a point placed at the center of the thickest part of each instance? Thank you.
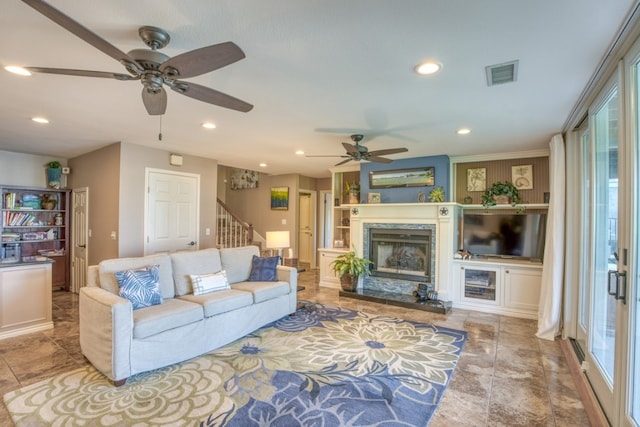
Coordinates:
(277, 239)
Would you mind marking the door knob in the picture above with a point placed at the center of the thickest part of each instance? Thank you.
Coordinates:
(191, 243)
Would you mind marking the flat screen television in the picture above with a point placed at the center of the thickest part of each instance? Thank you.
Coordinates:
(505, 235)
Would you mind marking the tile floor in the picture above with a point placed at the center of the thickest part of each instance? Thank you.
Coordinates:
(505, 376)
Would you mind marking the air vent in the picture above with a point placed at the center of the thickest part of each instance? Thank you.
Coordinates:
(502, 73)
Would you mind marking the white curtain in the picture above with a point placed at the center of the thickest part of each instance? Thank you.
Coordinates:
(550, 306)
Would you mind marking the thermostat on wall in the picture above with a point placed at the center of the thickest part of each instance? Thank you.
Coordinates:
(175, 160)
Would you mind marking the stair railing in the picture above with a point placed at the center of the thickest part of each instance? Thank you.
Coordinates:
(231, 230)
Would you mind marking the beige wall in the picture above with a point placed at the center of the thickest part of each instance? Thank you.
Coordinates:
(27, 170)
(254, 205)
(116, 176)
(99, 171)
(134, 159)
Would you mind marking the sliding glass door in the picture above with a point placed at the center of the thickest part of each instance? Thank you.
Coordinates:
(603, 219)
(607, 319)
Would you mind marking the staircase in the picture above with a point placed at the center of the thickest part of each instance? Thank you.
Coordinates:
(231, 231)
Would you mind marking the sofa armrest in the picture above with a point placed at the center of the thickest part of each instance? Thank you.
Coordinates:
(288, 274)
(93, 275)
(106, 331)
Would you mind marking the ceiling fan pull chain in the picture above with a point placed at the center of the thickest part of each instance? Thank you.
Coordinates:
(160, 133)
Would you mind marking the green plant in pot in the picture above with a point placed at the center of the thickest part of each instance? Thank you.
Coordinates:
(352, 189)
(54, 173)
(349, 268)
(501, 189)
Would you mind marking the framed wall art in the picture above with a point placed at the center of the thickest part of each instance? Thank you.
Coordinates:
(416, 177)
(243, 179)
(476, 179)
(522, 177)
(279, 198)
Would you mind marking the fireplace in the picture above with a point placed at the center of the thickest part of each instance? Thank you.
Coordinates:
(401, 253)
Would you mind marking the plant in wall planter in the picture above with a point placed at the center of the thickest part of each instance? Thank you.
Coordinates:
(501, 193)
(54, 173)
(349, 268)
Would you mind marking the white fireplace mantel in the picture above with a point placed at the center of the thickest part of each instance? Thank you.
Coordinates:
(446, 217)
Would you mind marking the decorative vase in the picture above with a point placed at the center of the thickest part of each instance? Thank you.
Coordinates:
(353, 198)
(53, 177)
(48, 205)
(349, 282)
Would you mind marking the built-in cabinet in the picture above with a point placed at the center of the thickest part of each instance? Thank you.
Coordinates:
(35, 225)
(507, 287)
(328, 278)
(342, 203)
(25, 298)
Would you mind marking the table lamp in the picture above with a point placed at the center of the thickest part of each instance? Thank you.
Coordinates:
(278, 240)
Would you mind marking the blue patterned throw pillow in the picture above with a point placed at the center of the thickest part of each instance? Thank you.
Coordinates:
(141, 286)
(263, 269)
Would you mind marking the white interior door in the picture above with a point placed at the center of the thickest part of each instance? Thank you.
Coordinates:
(79, 238)
(306, 222)
(171, 220)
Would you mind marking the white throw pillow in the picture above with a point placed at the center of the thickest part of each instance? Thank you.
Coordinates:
(205, 283)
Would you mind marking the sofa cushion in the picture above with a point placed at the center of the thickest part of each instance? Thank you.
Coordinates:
(237, 262)
(263, 269)
(221, 301)
(172, 313)
(205, 283)
(140, 286)
(263, 291)
(108, 267)
(204, 261)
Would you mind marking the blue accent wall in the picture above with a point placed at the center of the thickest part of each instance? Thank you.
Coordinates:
(406, 194)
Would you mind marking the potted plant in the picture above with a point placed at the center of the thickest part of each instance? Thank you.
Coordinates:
(437, 195)
(54, 172)
(349, 268)
(352, 189)
(501, 189)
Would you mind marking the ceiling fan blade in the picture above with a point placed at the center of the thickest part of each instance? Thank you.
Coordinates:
(203, 60)
(83, 73)
(388, 151)
(378, 159)
(343, 162)
(328, 155)
(84, 33)
(211, 96)
(155, 103)
(351, 149)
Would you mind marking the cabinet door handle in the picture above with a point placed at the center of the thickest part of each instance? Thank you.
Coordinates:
(506, 271)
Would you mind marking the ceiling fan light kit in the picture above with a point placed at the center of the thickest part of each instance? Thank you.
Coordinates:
(154, 69)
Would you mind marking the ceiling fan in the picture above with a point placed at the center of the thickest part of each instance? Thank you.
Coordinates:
(359, 152)
(151, 67)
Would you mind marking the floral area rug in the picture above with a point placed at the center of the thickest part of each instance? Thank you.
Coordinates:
(325, 366)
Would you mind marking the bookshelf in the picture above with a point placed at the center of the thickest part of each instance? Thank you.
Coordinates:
(35, 226)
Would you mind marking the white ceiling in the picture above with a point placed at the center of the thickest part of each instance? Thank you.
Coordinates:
(316, 72)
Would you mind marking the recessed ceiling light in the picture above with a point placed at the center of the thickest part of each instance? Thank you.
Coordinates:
(209, 125)
(300, 153)
(17, 70)
(463, 131)
(263, 165)
(40, 120)
(429, 67)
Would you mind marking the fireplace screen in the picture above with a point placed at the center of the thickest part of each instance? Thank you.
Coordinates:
(403, 254)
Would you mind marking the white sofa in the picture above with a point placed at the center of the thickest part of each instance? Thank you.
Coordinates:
(120, 341)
